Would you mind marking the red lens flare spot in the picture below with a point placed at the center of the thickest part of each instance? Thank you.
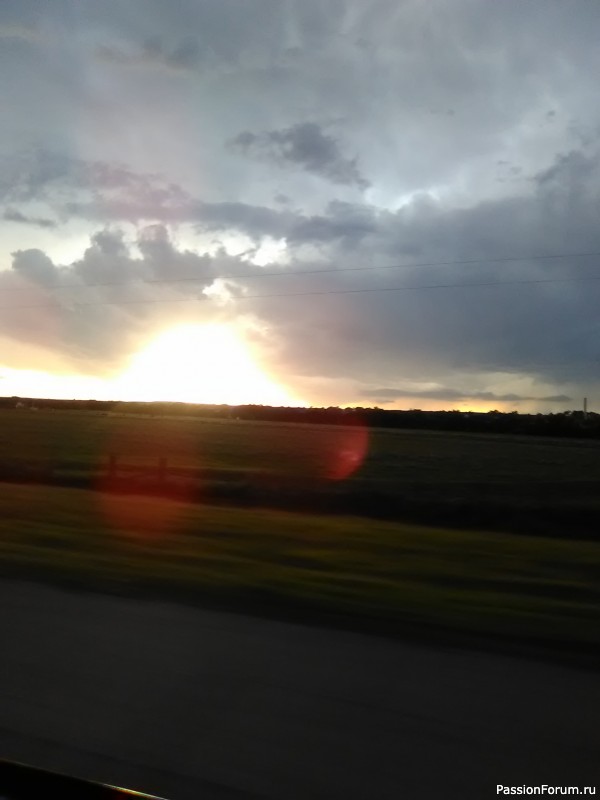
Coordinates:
(346, 449)
(148, 469)
(140, 519)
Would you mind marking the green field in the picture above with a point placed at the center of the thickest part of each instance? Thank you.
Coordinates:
(83, 440)
(391, 577)
(492, 582)
(465, 480)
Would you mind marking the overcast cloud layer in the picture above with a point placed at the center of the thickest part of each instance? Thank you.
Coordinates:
(390, 163)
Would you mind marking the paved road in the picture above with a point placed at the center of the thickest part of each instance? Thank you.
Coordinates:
(196, 704)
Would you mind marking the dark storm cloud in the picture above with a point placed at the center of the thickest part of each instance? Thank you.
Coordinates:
(27, 176)
(35, 265)
(255, 221)
(340, 222)
(103, 302)
(541, 329)
(95, 190)
(476, 125)
(546, 329)
(104, 192)
(306, 146)
(571, 168)
(154, 53)
(14, 215)
(386, 395)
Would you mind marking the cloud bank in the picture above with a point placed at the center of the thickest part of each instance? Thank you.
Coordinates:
(358, 181)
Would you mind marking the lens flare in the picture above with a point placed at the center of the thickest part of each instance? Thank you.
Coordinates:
(346, 449)
(146, 469)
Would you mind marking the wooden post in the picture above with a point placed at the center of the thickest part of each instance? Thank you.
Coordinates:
(112, 465)
(162, 469)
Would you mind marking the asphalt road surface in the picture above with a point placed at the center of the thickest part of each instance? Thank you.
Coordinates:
(195, 704)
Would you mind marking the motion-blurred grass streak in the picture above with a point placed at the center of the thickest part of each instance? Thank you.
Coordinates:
(387, 576)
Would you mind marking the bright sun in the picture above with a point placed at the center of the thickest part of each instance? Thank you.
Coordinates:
(200, 364)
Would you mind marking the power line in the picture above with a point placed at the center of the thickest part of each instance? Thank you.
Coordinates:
(329, 270)
(316, 293)
(429, 286)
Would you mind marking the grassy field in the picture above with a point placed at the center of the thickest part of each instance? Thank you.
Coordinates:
(81, 440)
(384, 576)
(465, 480)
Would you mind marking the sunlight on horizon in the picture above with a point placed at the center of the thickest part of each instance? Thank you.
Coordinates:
(58, 386)
(213, 364)
(208, 363)
(191, 363)
(164, 371)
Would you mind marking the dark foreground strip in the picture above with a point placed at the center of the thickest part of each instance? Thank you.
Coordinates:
(20, 782)
(452, 505)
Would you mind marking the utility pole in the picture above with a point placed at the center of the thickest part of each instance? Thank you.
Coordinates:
(585, 408)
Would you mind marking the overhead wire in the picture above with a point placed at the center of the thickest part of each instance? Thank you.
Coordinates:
(325, 292)
(299, 273)
(319, 292)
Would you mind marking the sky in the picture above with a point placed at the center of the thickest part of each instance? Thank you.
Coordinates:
(301, 202)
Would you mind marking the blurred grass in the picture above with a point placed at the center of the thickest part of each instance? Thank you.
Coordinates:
(387, 576)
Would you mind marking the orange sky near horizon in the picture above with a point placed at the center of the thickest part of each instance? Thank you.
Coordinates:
(211, 364)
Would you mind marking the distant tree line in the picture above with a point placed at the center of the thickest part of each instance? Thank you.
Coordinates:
(566, 423)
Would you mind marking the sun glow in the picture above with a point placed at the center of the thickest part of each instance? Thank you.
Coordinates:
(200, 364)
